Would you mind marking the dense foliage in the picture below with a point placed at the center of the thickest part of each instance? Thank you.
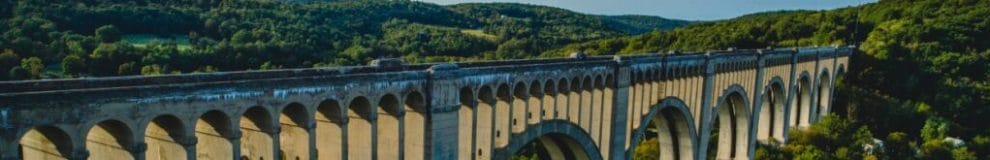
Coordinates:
(919, 83)
(124, 37)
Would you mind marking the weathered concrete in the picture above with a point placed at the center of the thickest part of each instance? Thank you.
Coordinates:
(583, 107)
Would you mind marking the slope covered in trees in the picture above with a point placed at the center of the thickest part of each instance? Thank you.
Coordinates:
(919, 83)
(62, 39)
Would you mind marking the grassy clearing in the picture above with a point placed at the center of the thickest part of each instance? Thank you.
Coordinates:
(142, 40)
(479, 33)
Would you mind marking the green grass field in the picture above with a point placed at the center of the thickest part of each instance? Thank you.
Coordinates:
(142, 40)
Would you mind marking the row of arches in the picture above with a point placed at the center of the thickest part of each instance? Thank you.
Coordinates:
(296, 131)
(730, 132)
(492, 114)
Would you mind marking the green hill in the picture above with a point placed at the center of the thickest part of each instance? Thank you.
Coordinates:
(638, 24)
(140, 36)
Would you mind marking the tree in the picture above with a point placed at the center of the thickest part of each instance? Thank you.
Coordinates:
(898, 146)
(73, 65)
(8, 60)
(33, 66)
(108, 34)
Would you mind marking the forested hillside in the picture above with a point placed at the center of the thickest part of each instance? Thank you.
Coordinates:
(65, 39)
(919, 83)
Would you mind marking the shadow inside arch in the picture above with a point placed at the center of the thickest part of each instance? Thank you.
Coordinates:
(559, 129)
(677, 115)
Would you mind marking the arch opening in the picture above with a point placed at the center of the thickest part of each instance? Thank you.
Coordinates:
(110, 139)
(552, 147)
(520, 96)
(771, 124)
(414, 125)
(729, 135)
(549, 99)
(329, 130)
(502, 116)
(486, 124)
(360, 116)
(45, 142)
(534, 103)
(824, 95)
(164, 136)
(213, 134)
(256, 138)
(668, 134)
(801, 109)
(387, 127)
(294, 138)
(465, 123)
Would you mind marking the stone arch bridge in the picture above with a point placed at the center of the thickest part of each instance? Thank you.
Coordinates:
(583, 107)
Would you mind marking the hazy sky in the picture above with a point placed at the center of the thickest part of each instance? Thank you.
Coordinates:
(679, 9)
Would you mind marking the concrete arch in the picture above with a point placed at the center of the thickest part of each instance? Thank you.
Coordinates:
(360, 120)
(295, 123)
(608, 97)
(214, 132)
(573, 136)
(387, 125)
(166, 137)
(330, 122)
(520, 96)
(414, 126)
(733, 118)
(772, 112)
(674, 129)
(257, 130)
(549, 99)
(484, 135)
(587, 103)
(801, 108)
(597, 109)
(45, 142)
(466, 121)
(111, 139)
(503, 115)
(824, 93)
(563, 92)
(534, 112)
(574, 100)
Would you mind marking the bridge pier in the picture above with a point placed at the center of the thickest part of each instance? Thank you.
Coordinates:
(706, 111)
(620, 103)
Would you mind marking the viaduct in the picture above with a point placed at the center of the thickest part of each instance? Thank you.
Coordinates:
(582, 107)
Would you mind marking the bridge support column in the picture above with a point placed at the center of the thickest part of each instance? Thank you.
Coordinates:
(311, 130)
(757, 104)
(189, 144)
(442, 119)
(706, 109)
(235, 143)
(813, 114)
(791, 94)
(620, 104)
(137, 150)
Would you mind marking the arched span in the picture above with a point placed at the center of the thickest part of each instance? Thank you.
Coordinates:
(731, 124)
(678, 137)
(728, 91)
(799, 109)
(553, 128)
(824, 94)
(166, 136)
(770, 124)
(111, 139)
(45, 142)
